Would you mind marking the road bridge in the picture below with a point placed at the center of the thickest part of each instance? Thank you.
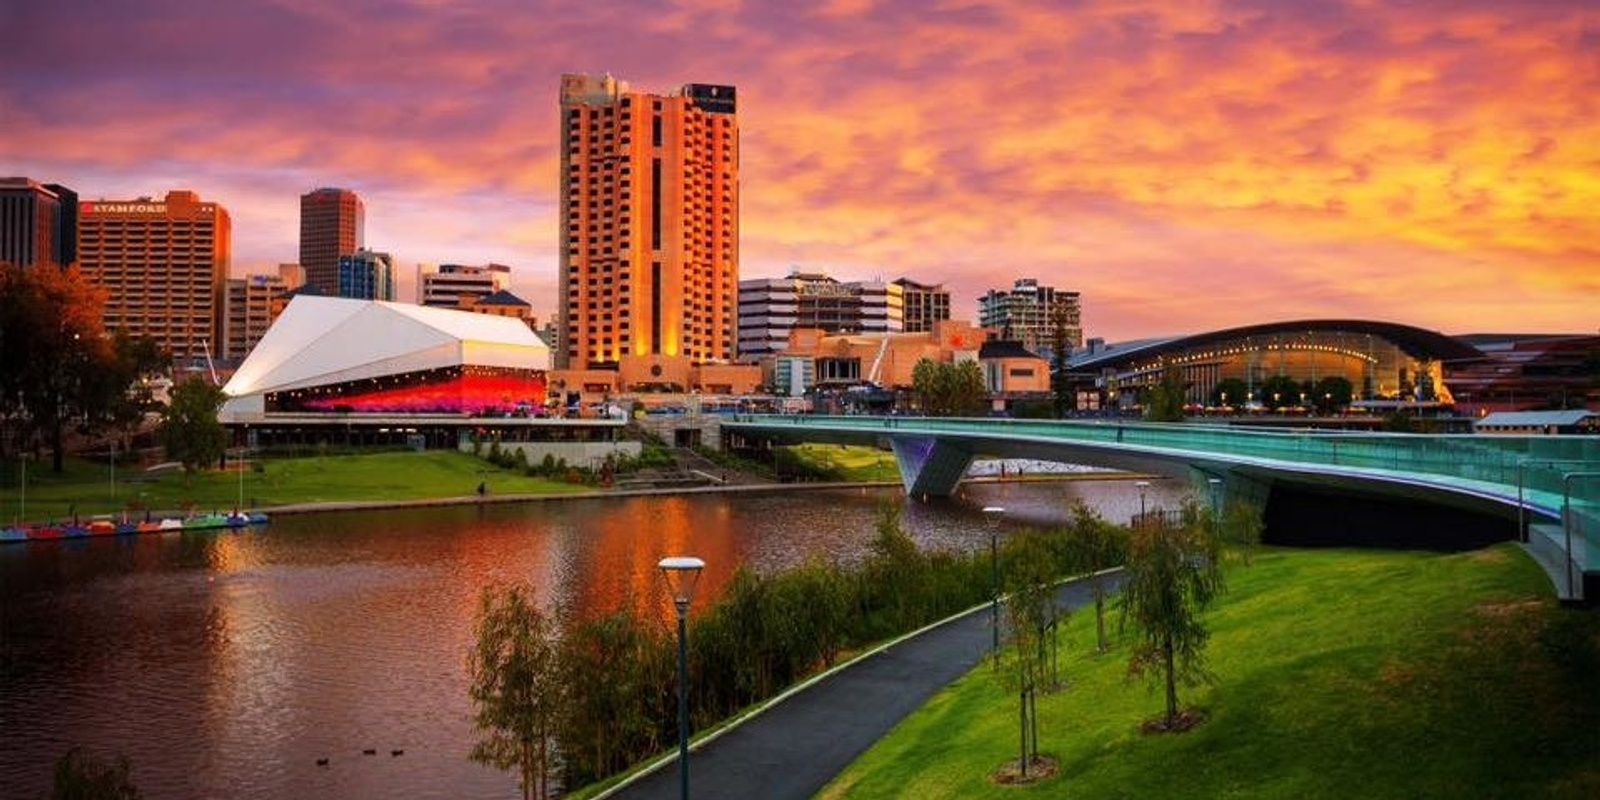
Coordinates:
(1547, 488)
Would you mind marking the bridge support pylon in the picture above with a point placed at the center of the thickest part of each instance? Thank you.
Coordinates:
(929, 465)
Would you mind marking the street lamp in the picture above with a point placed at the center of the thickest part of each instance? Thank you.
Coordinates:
(682, 572)
(1143, 485)
(1216, 501)
(993, 514)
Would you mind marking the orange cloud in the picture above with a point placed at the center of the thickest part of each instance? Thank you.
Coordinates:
(1183, 165)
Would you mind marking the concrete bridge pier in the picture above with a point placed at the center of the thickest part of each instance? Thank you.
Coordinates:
(930, 465)
(1235, 486)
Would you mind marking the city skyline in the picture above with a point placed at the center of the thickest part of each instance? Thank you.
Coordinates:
(1184, 168)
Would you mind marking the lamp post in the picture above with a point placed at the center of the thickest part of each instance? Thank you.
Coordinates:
(993, 514)
(22, 498)
(682, 572)
(1143, 485)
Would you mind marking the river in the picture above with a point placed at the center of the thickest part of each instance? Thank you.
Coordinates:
(227, 664)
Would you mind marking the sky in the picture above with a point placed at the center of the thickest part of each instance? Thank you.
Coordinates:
(1186, 166)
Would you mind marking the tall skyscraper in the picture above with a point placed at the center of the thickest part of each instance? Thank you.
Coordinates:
(38, 223)
(332, 224)
(649, 224)
(1029, 313)
(366, 275)
(163, 264)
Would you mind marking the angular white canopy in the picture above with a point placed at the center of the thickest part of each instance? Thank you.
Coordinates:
(319, 341)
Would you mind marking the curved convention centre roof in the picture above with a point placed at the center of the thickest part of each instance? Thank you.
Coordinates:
(319, 341)
(1416, 342)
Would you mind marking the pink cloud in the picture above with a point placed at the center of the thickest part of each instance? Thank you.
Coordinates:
(1184, 166)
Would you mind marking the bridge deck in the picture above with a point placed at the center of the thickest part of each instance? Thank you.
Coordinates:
(1541, 479)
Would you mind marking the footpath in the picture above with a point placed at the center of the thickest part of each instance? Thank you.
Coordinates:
(794, 746)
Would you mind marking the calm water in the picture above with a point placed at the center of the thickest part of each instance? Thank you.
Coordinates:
(225, 664)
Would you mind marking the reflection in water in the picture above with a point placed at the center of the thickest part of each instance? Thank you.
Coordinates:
(225, 664)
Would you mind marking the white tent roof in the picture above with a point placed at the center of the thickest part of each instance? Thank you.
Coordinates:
(325, 340)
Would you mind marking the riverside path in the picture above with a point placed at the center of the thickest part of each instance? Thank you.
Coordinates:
(798, 744)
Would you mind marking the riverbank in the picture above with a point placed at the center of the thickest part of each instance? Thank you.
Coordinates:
(1337, 674)
(319, 484)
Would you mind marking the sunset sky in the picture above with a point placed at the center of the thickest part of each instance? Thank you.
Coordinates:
(1185, 165)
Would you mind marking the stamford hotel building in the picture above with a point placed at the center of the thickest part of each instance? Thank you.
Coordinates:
(649, 242)
(164, 264)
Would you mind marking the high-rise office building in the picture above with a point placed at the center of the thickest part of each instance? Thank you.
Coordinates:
(649, 224)
(366, 275)
(922, 305)
(771, 307)
(253, 304)
(332, 224)
(1029, 313)
(163, 264)
(448, 285)
(38, 223)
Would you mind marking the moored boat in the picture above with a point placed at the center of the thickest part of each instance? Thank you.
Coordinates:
(206, 521)
(13, 534)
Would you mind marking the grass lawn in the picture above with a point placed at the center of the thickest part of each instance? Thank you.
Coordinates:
(86, 486)
(1339, 674)
(850, 462)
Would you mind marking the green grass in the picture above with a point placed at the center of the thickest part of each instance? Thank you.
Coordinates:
(85, 487)
(1338, 674)
(850, 462)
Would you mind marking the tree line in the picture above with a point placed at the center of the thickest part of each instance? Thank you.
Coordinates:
(594, 699)
(62, 374)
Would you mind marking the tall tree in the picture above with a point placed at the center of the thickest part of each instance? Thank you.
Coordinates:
(190, 430)
(517, 688)
(1333, 392)
(1230, 392)
(1173, 574)
(55, 353)
(1032, 617)
(949, 390)
(1279, 391)
(1093, 545)
(1061, 350)
(1164, 401)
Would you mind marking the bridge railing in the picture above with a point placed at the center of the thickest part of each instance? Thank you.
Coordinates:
(1539, 465)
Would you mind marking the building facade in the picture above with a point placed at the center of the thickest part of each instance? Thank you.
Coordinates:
(366, 275)
(501, 304)
(1277, 367)
(38, 223)
(164, 264)
(649, 239)
(769, 308)
(332, 225)
(447, 285)
(1528, 372)
(922, 305)
(253, 303)
(1030, 313)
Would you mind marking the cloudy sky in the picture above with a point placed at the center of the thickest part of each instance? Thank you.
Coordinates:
(1184, 165)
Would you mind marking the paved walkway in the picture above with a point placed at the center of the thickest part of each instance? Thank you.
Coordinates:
(797, 746)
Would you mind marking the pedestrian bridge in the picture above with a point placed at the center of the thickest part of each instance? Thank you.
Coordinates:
(1546, 487)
